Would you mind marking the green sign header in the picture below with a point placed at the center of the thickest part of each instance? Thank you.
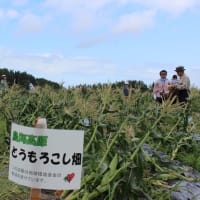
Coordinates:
(30, 139)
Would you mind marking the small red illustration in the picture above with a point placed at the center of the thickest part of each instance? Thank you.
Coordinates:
(69, 177)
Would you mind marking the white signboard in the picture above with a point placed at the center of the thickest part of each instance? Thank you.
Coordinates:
(46, 158)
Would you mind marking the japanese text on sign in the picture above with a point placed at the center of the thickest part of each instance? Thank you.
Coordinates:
(46, 158)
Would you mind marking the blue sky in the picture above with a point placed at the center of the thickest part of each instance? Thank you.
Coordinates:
(91, 41)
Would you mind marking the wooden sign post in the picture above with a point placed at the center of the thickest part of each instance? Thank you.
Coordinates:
(36, 193)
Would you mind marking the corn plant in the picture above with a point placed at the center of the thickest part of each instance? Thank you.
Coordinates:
(115, 166)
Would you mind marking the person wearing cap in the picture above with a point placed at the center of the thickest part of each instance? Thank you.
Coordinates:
(4, 84)
(31, 87)
(125, 89)
(160, 89)
(183, 84)
(172, 89)
(174, 80)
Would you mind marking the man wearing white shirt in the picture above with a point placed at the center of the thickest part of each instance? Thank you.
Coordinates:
(183, 84)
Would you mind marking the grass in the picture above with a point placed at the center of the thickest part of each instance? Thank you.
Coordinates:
(3, 133)
(191, 155)
(11, 191)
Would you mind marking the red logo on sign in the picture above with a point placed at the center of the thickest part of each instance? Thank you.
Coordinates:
(69, 177)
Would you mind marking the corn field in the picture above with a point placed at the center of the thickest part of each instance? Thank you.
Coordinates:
(116, 165)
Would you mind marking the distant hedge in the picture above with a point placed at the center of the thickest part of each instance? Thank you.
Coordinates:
(23, 79)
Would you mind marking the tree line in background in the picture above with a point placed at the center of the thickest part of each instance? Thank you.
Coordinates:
(23, 79)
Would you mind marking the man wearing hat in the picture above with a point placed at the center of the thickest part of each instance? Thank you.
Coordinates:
(4, 84)
(183, 84)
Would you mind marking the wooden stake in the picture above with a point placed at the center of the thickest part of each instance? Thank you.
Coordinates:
(58, 193)
(36, 193)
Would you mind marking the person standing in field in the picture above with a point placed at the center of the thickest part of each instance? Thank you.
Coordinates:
(174, 80)
(4, 84)
(160, 89)
(172, 88)
(125, 89)
(183, 85)
(31, 87)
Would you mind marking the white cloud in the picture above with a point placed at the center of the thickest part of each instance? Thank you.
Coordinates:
(85, 15)
(175, 6)
(12, 14)
(57, 67)
(94, 41)
(1, 13)
(20, 2)
(30, 23)
(83, 23)
(9, 14)
(134, 22)
(98, 15)
(71, 6)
